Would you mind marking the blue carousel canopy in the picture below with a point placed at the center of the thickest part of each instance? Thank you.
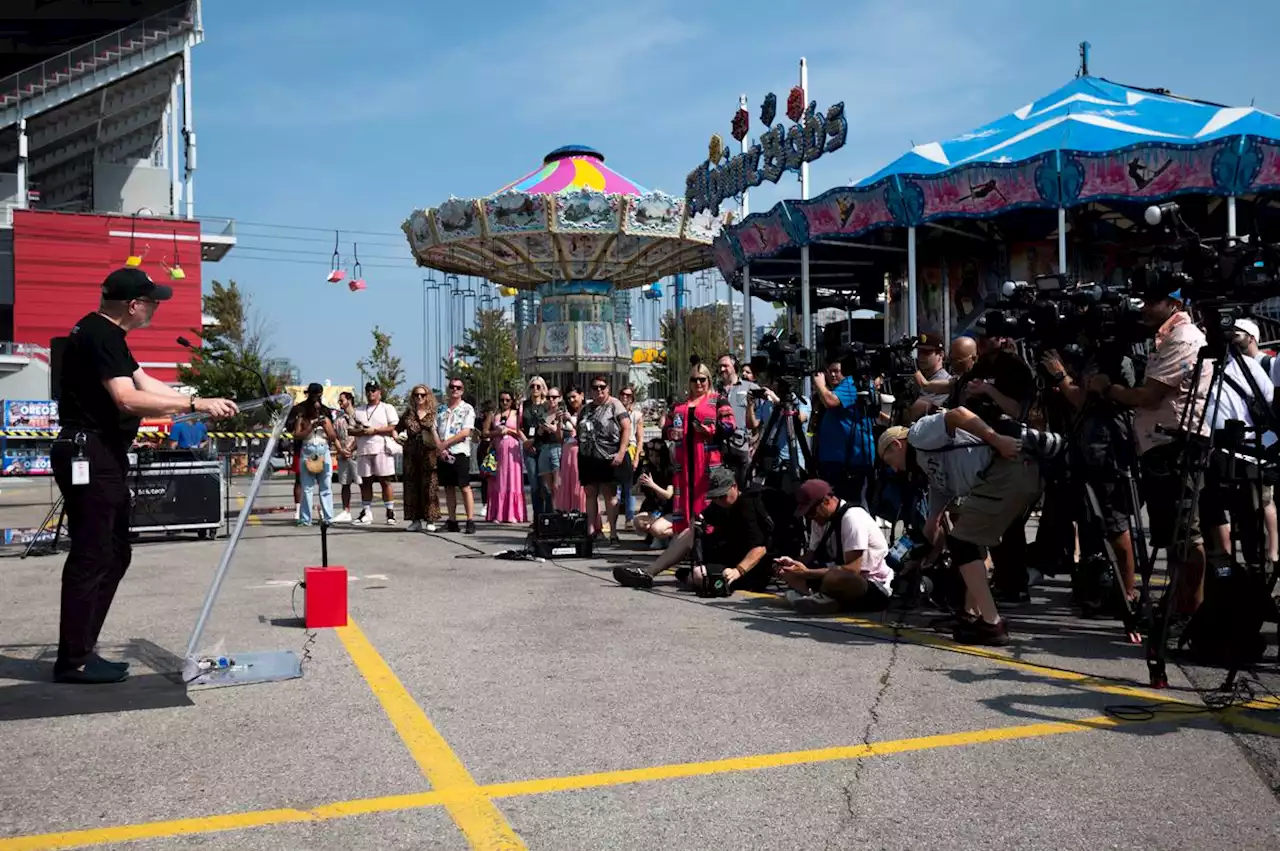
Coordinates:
(1088, 115)
(1091, 141)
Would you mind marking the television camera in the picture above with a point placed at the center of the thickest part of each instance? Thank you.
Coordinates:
(1052, 314)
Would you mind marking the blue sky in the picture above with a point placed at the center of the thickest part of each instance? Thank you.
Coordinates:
(337, 115)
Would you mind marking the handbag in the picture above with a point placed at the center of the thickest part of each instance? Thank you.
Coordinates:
(315, 464)
(489, 464)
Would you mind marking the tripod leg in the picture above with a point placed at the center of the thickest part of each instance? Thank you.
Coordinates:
(58, 508)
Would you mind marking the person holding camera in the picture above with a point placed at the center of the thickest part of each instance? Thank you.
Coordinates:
(968, 462)
(846, 440)
(778, 444)
(728, 540)
(1102, 448)
(846, 566)
(1170, 395)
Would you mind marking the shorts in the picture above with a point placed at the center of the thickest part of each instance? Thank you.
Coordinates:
(348, 471)
(875, 600)
(549, 458)
(296, 466)
(375, 466)
(1162, 490)
(455, 475)
(1004, 492)
(1113, 501)
(595, 471)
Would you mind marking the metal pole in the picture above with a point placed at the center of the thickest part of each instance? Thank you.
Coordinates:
(264, 464)
(188, 130)
(424, 329)
(22, 164)
(804, 250)
(175, 182)
(946, 304)
(1231, 215)
(912, 328)
(1062, 241)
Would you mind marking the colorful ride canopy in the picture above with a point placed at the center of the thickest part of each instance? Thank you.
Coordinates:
(572, 219)
(1090, 141)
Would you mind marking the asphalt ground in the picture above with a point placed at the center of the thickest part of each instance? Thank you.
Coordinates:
(487, 703)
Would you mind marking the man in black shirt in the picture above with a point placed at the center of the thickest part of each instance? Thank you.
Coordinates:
(735, 539)
(104, 396)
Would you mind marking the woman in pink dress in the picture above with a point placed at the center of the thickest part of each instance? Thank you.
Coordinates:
(569, 495)
(506, 488)
(694, 428)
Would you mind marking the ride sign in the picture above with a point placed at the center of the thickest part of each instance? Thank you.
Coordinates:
(779, 149)
(35, 414)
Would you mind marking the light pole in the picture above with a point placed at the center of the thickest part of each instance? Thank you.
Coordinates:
(428, 283)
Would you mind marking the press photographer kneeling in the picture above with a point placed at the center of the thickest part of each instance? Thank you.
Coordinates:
(967, 461)
(728, 543)
(845, 565)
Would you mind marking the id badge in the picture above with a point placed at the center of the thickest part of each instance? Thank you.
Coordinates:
(79, 472)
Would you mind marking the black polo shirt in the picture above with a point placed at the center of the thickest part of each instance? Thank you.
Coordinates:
(1008, 372)
(96, 352)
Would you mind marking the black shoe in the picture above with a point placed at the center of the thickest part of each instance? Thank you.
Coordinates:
(982, 633)
(122, 666)
(633, 577)
(471, 527)
(94, 672)
(451, 526)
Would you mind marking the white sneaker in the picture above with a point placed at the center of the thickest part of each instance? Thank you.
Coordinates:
(365, 519)
(342, 517)
(415, 526)
(430, 527)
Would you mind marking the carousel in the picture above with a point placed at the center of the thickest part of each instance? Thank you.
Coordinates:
(569, 240)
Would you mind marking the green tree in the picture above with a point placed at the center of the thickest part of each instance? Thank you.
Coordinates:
(486, 359)
(383, 368)
(238, 335)
(703, 332)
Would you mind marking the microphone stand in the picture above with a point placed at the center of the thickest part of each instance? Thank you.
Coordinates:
(256, 666)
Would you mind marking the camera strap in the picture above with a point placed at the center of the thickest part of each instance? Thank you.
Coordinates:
(833, 525)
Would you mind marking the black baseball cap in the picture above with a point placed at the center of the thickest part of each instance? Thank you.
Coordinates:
(315, 389)
(129, 283)
(721, 482)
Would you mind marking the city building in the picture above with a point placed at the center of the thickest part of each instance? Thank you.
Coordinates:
(97, 171)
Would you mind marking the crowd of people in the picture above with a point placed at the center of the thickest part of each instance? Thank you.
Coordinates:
(729, 488)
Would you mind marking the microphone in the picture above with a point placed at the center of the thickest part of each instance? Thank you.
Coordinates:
(1156, 212)
(266, 391)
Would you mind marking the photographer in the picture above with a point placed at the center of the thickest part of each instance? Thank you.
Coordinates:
(778, 444)
(845, 452)
(734, 532)
(1169, 396)
(739, 393)
(1102, 446)
(962, 355)
(1232, 480)
(845, 565)
(931, 376)
(966, 460)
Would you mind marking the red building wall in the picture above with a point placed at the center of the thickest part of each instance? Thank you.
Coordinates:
(60, 260)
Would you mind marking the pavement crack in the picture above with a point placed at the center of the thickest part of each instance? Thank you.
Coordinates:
(851, 788)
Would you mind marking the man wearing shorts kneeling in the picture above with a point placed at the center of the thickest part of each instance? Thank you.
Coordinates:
(846, 567)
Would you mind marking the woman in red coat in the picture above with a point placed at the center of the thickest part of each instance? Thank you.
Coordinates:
(695, 427)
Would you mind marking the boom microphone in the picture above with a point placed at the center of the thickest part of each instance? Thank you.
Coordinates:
(186, 344)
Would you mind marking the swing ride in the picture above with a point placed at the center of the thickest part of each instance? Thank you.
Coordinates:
(577, 235)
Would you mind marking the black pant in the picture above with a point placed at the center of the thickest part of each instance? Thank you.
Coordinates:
(98, 522)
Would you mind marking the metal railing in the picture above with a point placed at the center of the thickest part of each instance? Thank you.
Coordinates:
(24, 350)
(89, 57)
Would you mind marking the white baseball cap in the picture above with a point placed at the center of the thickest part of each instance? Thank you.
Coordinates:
(1249, 327)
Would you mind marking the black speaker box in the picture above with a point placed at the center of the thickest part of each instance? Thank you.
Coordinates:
(560, 525)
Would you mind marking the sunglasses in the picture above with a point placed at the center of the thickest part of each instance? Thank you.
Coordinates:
(554, 396)
(599, 387)
(455, 386)
(698, 379)
(420, 395)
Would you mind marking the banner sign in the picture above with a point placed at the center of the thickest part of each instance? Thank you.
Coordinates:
(23, 462)
(780, 149)
(39, 414)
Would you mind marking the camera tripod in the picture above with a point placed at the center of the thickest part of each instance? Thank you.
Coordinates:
(1249, 587)
(781, 431)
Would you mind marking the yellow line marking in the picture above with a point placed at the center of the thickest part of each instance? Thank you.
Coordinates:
(541, 786)
(476, 816)
(254, 520)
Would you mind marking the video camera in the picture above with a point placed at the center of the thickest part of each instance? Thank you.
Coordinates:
(1240, 270)
(1051, 314)
(869, 360)
(783, 358)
